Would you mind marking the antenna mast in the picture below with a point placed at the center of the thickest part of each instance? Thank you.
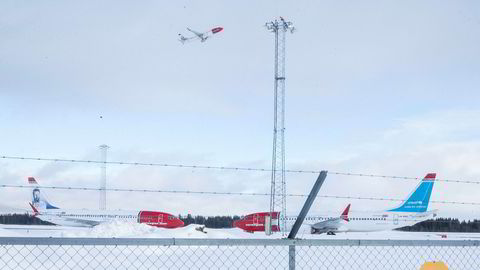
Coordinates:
(103, 177)
(278, 190)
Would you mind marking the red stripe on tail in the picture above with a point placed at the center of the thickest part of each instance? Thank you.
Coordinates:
(430, 176)
(32, 180)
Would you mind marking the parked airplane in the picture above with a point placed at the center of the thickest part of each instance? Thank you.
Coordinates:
(410, 212)
(45, 211)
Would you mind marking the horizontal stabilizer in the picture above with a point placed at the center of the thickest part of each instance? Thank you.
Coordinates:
(35, 211)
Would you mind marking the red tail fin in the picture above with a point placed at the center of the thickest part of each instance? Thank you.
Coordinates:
(344, 215)
(216, 30)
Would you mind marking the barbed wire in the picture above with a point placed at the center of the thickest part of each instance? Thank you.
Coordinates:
(230, 168)
(225, 193)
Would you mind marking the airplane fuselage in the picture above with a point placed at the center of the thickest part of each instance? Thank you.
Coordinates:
(367, 221)
(90, 218)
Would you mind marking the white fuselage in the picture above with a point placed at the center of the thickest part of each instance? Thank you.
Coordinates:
(85, 218)
(368, 221)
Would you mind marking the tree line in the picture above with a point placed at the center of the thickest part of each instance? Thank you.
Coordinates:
(215, 222)
(444, 225)
(22, 219)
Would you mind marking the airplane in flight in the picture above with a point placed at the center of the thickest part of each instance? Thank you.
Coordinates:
(45, 211)
(200, 36)
(409, 212)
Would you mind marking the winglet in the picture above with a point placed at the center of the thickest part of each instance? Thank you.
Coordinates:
(35, 211)
(344, 215)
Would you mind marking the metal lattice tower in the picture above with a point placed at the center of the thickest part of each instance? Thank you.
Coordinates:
(103, 177)
(278, 190)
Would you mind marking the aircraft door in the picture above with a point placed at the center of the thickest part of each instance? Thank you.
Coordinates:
(395, 219)
(160, 218)
(256, 218)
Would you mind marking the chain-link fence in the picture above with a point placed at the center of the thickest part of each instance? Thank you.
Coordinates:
(134, 253)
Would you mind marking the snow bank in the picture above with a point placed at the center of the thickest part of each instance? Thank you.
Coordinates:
(115, 228)
(8, 233)
(120, 229)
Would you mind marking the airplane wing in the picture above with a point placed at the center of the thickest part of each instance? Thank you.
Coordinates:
(332, 225)
(83, 221)
(200, 35)
(35, 211)
(185, 39)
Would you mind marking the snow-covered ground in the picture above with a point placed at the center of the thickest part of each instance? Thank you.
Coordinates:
(119, 229)
(134, 256)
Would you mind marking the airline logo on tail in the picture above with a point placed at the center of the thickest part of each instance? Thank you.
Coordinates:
(38, 200)
(418, 200)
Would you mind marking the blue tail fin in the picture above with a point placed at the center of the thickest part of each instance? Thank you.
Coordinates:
(418, 201)
(38, 200)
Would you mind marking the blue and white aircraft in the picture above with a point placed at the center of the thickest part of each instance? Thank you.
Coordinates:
(411, 211)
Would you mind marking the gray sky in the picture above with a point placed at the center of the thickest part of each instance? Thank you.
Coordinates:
(384, 87)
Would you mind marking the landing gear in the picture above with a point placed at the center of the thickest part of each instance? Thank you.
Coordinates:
(330, 233)
(313, 231)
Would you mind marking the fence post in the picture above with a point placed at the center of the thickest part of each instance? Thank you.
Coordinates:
(291, 257)
(308, 203)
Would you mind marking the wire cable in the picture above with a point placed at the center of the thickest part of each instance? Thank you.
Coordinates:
(225, 193)
(230, 168)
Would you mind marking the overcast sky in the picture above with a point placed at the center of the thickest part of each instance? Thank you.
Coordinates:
(382, 87)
